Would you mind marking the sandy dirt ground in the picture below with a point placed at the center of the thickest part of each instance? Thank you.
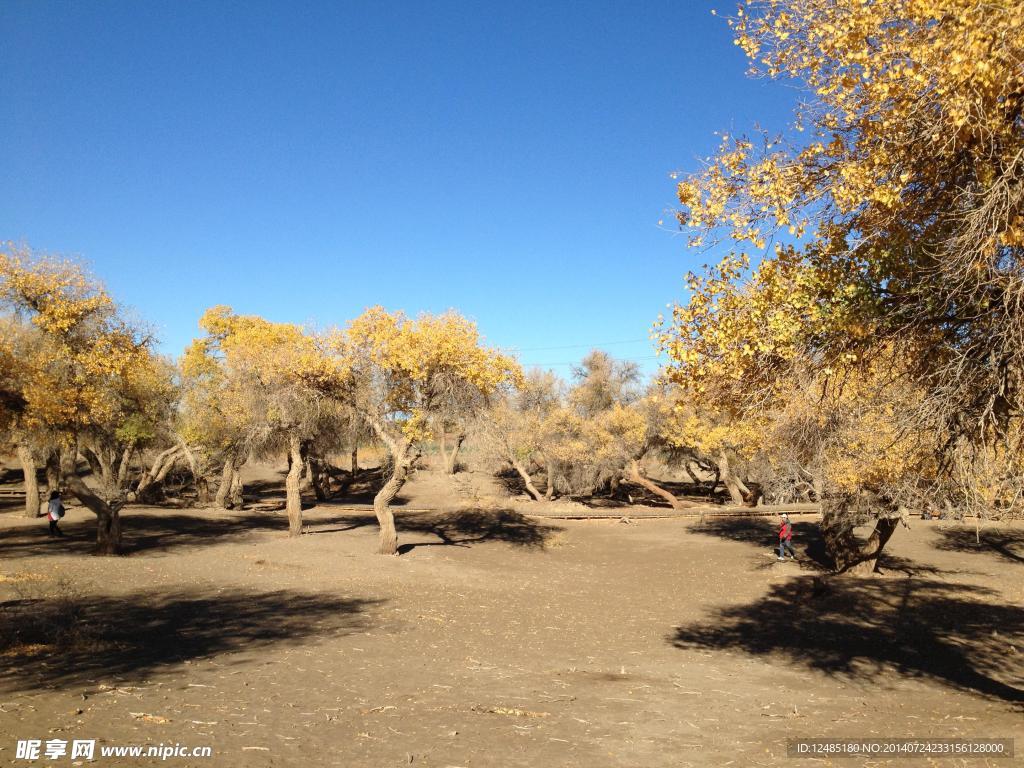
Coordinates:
(500, 640)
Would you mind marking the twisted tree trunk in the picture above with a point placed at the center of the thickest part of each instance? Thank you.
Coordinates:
(108, 518)
(157, 472)
(293, 495)
(525, 477)
(635, 474)
(738, 491)
(402, 459)
(849, 554)
(28, 469)
(451, 461)
(229, 493)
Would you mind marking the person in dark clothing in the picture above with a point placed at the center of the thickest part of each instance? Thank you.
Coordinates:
(54, 512)
(786, 538)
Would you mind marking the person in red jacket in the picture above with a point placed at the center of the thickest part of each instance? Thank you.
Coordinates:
(786, 538)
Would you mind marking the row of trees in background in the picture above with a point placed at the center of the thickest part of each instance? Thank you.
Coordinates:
(82, 383)
(79, 379)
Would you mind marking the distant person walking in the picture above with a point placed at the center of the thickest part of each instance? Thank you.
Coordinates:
(54, 512)
(786, 538)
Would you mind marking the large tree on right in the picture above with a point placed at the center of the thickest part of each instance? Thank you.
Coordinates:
(877, 248)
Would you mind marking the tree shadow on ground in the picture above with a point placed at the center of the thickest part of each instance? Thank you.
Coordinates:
(459, 528)
(764, 534)
(1008, 545)
(864, 629)
(140, 533)
(67, 639)
(12, 504)
(808, 542)
(472, 526)
(165, 532)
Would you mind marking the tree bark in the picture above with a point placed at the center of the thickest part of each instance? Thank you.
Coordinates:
(235, 496)
(318, 479)
(866, 561)
(229, 493)
(451, 460)
(95, 465)
(848, 553)
(293, 495)
(124, 467)
(202, 490)
(525, 477)
(224, 490)
(738, 491)
(634, 474)
(402, 460)
(28, 469)
(108, 518)
(157, 472)
(53, 471)
(549, 490)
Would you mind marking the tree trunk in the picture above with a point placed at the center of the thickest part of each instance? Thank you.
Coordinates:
(95, 465)
(451, 461)
(613, 487)
(229, 494)
(527, 481)
(157, 472)
(354, 461)
(202, 490)
(549, 491)
(738, 492)
(53, 471)
(634, 474)
(235, 497)
(293, 495)
(867, 558)
(224, 491)
(124, 467)
(108, 518)
(401, 463)
(848, 553)
(28, 468)
(318, 479)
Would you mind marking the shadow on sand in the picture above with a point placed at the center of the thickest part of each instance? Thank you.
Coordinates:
(864, 629)
(460, 528)
(70, 639)
(167, 531)
(1008, 545)
(764, 534)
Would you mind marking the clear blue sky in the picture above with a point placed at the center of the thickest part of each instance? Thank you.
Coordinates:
(305, 160)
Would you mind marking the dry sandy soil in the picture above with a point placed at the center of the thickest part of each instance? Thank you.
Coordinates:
(499, 640)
